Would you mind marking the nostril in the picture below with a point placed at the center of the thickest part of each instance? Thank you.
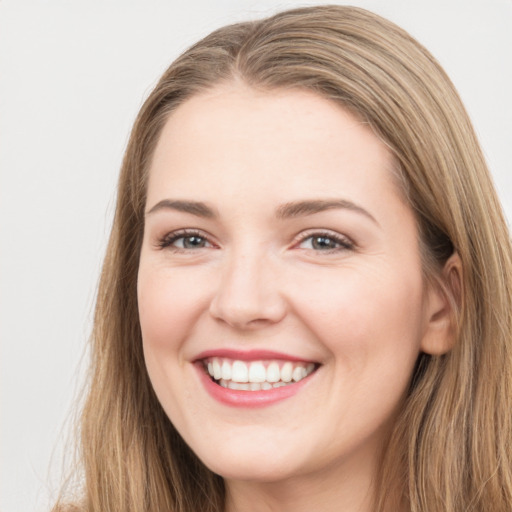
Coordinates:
(248, 294)
(254, 315)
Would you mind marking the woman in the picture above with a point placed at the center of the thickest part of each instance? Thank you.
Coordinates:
(306, 297)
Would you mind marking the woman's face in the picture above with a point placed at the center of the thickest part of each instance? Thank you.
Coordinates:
(280, 288)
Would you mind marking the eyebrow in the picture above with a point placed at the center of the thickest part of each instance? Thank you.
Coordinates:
(196, 208)
(303, 208)
(285, 211)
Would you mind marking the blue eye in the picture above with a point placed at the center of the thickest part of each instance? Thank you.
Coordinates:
(325, 242)
(184, 241)
(190, 242)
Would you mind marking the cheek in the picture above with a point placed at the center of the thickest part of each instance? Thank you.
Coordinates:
(169, 306)
(364, 316)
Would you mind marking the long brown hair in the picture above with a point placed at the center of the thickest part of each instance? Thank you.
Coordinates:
(450, 450)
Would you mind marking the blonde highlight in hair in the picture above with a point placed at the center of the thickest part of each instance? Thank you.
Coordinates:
(450, 450)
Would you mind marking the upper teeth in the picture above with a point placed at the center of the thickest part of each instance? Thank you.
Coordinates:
(258, 371)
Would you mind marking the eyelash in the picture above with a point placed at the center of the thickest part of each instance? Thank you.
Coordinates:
(168, 240)
(343, 243)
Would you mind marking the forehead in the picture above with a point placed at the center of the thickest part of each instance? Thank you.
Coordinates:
(243, 139)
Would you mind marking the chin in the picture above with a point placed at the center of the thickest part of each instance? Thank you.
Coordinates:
(255, 471)
(253, 465)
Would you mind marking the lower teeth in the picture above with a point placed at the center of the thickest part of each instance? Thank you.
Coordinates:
(250, 386)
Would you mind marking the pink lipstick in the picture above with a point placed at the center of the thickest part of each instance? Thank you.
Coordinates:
(252, 378)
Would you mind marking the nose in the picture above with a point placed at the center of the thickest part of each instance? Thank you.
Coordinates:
(248, 295)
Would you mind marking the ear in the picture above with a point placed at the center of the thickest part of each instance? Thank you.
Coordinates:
(442, 309)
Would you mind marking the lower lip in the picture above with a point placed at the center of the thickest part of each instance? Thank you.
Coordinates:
(251, 399)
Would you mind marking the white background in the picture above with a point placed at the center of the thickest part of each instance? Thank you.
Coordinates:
(73, 74)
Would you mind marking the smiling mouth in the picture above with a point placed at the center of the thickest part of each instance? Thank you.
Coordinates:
(260, 375)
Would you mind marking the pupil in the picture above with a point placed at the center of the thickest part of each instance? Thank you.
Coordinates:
(323, 242)
(193, 242)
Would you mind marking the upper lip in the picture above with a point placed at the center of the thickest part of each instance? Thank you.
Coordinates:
(250, 355)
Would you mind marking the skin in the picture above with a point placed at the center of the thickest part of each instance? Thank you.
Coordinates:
(256, 280)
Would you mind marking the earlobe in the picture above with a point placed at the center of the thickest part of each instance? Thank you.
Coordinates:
(443, 307)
